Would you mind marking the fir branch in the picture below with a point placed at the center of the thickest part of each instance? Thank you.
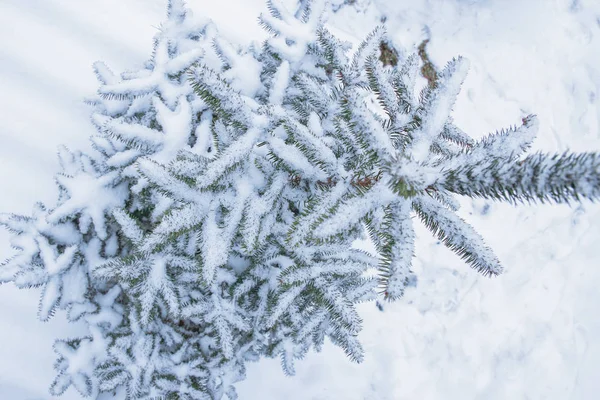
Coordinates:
(557, 178)
(397, 249)
(367, 48)
(219, 96)
(381, 83)
(405, 79)
(457, 235)
(353, 210)
(167, 181)
(436, 105)
(455, 135)
(334, 49)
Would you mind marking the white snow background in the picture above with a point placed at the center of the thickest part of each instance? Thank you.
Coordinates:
(532, 333)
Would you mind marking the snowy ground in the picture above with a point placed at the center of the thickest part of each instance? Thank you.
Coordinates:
(533, 333)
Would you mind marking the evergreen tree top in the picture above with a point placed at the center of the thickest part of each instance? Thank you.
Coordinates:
(214, 222)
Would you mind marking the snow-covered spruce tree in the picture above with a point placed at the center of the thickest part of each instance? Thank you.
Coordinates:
(213, 223)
